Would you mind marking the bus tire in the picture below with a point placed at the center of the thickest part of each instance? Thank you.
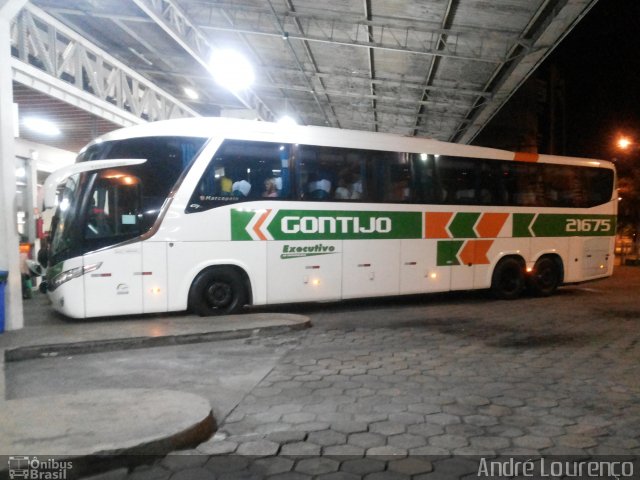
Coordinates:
(508, 280)
(545, 277)
(218, 291)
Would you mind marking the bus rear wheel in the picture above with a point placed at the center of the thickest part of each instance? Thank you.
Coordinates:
(508, 281)
(545, 277)
(217, 291)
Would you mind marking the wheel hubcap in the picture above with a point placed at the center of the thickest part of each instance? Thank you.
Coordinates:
(510, 281)
(219, 295)
(545, 277)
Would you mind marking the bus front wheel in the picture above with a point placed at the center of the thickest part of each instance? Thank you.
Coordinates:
(545, 277)
(217, 291)
(508, 281)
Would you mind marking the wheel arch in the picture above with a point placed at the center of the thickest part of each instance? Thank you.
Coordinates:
(556, 258)
(515, 255)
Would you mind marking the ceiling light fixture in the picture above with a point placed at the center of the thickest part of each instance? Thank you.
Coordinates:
(231, 70)
(191, 93)
(41, 126)
(286, 121)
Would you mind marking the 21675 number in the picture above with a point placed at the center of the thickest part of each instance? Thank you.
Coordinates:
(588, 225)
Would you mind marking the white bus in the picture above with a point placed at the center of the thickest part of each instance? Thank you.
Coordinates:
(214, 214)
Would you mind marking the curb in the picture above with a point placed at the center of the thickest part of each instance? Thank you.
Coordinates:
(100, 460)
(31, 352)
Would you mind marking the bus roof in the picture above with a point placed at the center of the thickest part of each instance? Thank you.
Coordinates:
(233, 128)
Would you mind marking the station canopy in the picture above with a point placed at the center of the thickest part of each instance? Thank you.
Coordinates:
(430, 68)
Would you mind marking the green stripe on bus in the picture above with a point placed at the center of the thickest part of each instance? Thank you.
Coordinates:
(462, 225)
(447, 253)
(347, 225)
(326, 225)
(352, 225)
(563, 225)
(521, 222)
(570, 225)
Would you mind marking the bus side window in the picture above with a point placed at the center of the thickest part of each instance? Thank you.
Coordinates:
(240, 171)
(332, 174)
(598, 185)
(115, 208)
(490, 188)
(457, 177)
(424, 178)
(396, 185)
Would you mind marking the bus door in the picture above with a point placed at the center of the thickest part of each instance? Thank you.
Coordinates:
(113, 220)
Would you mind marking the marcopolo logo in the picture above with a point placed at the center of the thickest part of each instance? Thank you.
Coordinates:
(296, 251)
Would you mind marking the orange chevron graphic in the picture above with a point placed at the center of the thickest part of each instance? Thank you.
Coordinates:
(475, 252)
(490, 224)
(436, 224)
(261, 220)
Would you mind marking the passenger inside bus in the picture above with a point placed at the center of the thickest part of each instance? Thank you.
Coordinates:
(271, 188)
(349, 186)
(319, 188)
(241, 188)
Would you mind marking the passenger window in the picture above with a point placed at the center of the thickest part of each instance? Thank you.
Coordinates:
(458, 180)
(599, 185)
(565, 186)
(394, 175)
(425, 180)
(243, 170)
(332, 174)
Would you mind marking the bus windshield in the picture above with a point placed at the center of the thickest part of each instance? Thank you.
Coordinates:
(105, 207)
(64, 219)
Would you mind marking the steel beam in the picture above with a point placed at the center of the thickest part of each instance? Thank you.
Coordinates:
(175, 23)
(397, 36)
(55, 60)
(414, 39)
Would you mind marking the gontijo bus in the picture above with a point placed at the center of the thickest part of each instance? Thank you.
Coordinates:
(213, 214)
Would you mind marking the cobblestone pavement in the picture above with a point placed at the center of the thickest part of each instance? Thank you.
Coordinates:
(395, 388)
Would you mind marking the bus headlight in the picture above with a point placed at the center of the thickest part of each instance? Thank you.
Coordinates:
(67, 275)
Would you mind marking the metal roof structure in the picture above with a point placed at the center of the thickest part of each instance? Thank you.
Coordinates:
(429, 68)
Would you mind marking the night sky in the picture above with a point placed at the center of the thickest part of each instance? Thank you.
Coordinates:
(600, 63)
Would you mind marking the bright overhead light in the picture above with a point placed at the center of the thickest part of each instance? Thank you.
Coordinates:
(191, 93)
(42, 126)
(287, 121)
(231, 70)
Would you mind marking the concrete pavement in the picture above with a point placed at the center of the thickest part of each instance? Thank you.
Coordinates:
(416, 387)
(122, 423)
(421, 389)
